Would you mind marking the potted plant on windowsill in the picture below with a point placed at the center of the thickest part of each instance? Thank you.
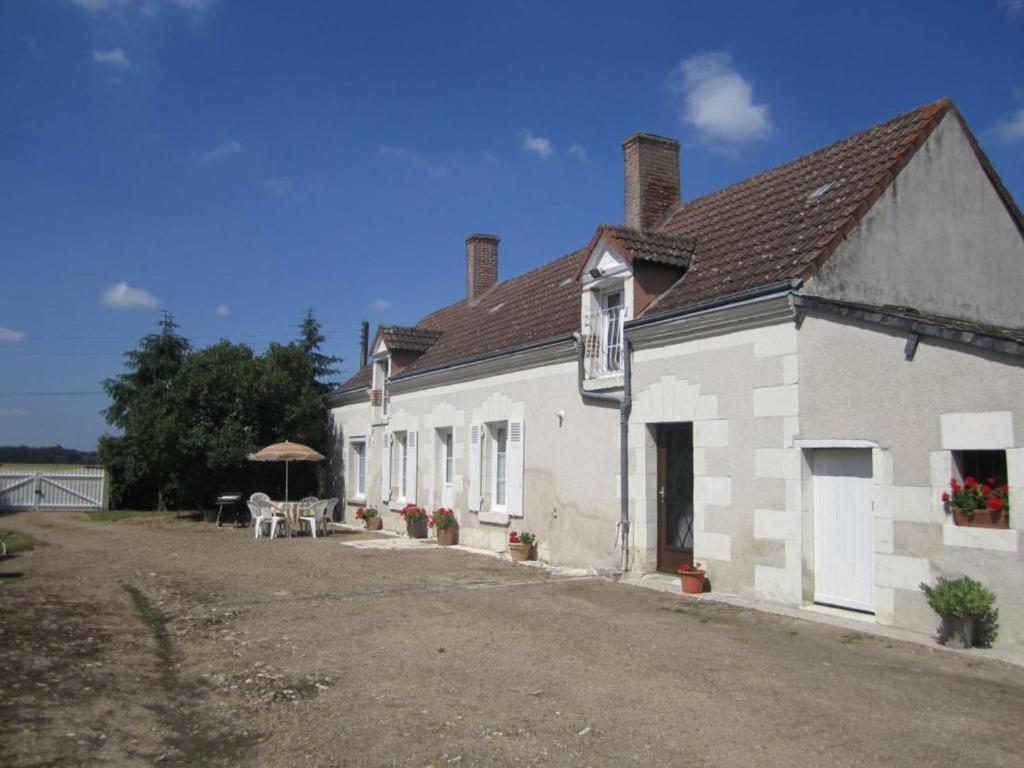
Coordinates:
(370, 517)
(960, 603)
(978, 505)
(520, 545)
(415, 521)
(443, 521)
(693, 578)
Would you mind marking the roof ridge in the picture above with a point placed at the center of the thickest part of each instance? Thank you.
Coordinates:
(939, 105)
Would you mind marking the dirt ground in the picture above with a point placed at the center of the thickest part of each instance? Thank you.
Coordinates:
(177, 643)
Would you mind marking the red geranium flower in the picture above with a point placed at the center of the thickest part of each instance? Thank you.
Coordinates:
(945, 497)
(991, 481)
(986, 489)
(995, 503)
(513, 537)
(970, 482)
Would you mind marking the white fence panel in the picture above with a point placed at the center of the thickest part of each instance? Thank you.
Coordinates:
(52, 489)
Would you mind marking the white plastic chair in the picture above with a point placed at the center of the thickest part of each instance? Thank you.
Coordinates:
(311, 513)
(269, 515)
(254, 518)
(329, 511)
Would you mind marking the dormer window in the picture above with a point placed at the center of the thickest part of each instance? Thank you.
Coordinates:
(624, 271)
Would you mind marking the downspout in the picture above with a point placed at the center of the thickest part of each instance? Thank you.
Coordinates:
(625, 403)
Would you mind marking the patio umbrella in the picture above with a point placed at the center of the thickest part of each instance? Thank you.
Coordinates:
(286, 452)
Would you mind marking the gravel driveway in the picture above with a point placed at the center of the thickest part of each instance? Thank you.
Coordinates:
(177, 643)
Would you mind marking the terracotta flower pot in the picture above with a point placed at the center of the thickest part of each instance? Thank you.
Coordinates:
(373, 523)
(519, 551)
(417, 529)
(981, 518)
(693, 581)
(447, 536)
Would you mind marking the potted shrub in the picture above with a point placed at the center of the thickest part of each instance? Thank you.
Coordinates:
(443, 521)
(960, 602)
(520, 545)
(693, 578)
(370, 517)
(978, 504)
(415, 521)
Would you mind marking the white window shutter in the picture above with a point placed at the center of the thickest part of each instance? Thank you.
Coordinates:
(514, 470)
(410, 467)
(385, 468)
(475, 439)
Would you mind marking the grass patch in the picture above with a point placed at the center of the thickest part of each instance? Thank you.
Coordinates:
(17, 542)
(148, 612)
(108, 515)
(855, 638)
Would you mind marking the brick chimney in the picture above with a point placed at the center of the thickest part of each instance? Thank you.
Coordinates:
(481, 265)
(652, 178)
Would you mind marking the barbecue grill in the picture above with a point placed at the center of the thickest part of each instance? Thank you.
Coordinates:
(232, 500)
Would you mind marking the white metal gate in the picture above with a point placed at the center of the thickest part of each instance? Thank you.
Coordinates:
(844, 542)
(52, 489)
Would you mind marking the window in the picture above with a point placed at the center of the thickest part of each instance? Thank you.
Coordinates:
(381, 369)
(981, 465)
(448, 458)
(612, 314)
(499, 464)
(358, 467)
(400, 462)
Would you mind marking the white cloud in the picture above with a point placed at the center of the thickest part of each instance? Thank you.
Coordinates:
(222, 310)
(115, 57)
(280, 186)
(380, 304)
(197, 9)
(1012, 128)
(1012, 7)
(433, 170)
(225, 148)
(718, 101)
(578, 151)
(537, 144)
(124, 296)
(6, 334)
(101, 6)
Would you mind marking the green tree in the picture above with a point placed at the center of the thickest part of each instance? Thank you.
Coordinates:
(214, 397)
(311, 339)
(145, 462)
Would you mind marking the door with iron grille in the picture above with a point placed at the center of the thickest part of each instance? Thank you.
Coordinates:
(675, 496)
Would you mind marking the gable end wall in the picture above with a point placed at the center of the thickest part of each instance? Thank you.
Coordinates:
(939, 240)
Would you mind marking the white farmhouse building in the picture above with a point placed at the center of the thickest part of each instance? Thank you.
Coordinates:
(778, 380)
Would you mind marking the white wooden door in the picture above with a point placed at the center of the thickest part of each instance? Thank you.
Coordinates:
(844, 542)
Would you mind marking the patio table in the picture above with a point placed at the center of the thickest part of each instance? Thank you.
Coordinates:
(290, 509)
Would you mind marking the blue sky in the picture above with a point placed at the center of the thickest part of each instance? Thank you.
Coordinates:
(236, 162)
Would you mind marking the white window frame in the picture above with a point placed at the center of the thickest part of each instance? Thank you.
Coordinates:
(381, 375)
(612, 327)
(358, 455)
(448, 449)
(400, 462)
(494, 430)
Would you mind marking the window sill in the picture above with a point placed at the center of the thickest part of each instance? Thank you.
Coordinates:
(998, 539)
(356, 501)
(614, 381)
(494, 517)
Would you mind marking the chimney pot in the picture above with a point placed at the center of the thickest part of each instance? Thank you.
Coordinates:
(652, 178)
(481, 265)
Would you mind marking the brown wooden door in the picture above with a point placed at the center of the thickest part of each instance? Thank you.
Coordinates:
(675, 496)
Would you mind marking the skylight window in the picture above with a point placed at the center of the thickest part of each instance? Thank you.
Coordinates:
(820, 191)
(496, 307)
(566, 281)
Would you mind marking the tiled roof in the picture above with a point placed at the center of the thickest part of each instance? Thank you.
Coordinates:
(778, 225)
(538, 305)
(674, 250)
(410, 338)
(785, 222)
